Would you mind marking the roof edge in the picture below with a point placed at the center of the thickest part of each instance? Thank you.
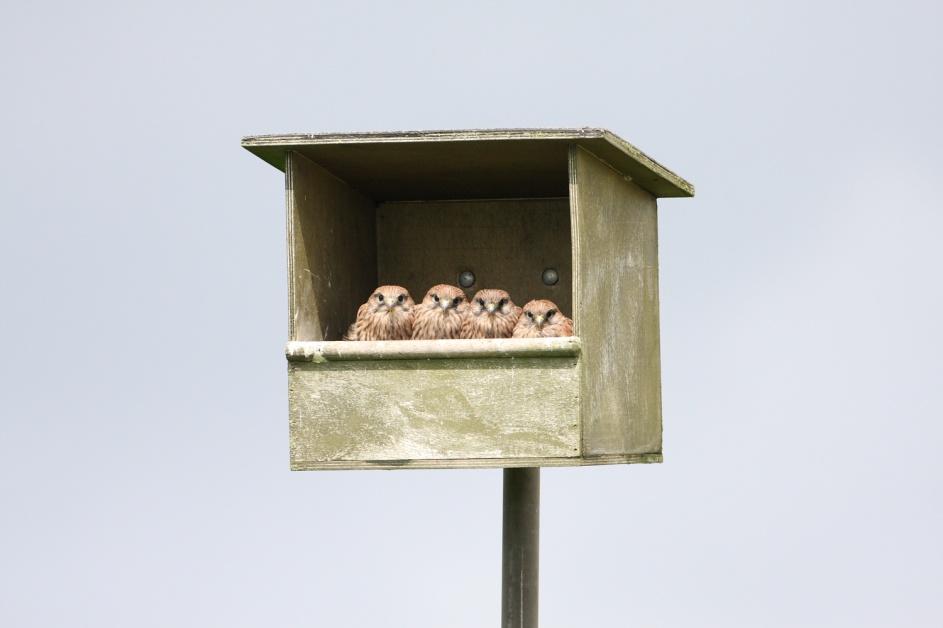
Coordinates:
(622, 155)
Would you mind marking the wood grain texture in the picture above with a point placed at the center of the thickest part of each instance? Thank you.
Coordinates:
(474, 463)
(506, 243)
(331, 251)
(416, 209)
(616, 298)
(477, 163)
(395, 410)
(432, 349)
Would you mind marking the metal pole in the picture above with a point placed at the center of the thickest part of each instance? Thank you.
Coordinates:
(521, 548)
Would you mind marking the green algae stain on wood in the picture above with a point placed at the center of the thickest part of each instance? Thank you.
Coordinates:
(615, 250)
(434, 409)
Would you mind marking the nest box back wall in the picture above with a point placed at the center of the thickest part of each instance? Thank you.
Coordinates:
(506, 243)
(331, 250)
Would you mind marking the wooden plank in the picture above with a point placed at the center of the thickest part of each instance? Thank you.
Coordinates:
(507, 244)
(482, 163)
(454, 409)
(410, 137)
(432, 349)
(331, 251)
(475, 463)
(615, 249)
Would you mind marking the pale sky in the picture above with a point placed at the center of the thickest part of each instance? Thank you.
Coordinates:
(144, 435)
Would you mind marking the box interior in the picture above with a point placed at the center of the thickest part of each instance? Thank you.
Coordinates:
(343, 243)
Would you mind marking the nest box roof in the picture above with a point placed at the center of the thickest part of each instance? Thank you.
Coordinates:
(492, 163)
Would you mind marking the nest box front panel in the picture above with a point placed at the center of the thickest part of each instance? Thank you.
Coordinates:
(379, 405)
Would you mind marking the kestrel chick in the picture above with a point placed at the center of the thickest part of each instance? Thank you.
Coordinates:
(542, 319)
(387, 315)
(491, 314)
(441, 313)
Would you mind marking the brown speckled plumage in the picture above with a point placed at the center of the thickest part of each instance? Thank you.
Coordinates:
(387, 315)
(441, 313)
(491, 314)
(542, 319)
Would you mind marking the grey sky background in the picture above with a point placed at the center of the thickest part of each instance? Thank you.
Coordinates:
(143, 442)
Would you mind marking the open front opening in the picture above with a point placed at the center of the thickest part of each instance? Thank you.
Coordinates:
(343, 243)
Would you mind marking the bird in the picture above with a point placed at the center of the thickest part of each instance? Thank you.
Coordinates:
(441, 313)
(542, 319)
(491, 314)
(387, 315)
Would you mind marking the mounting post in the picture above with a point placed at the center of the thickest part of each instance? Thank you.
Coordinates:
(521, 548)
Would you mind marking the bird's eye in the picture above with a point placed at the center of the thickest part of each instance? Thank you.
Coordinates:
(401, 298)
(502, 302)
(380, 298)
(481, 302)
(550, 314)
(435, 298)
(456, 300)
(530, 315)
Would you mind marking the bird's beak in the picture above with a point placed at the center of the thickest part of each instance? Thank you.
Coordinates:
(444, 303)
(540, 321)
(491, 308)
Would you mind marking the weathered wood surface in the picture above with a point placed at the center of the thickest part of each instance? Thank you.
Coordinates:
(475, 463)
(482, 163)
(432, 349)
(401, 410)
(331, 251)
(615, 251)
(366, 209)
(506, 243)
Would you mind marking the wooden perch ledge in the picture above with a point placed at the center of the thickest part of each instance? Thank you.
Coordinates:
(335, 351)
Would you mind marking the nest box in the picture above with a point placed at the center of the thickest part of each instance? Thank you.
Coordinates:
(566, 214)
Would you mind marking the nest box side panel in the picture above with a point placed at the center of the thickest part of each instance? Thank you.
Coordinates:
(452, 409)
(615, 260)
(506, 243)
(331, 250)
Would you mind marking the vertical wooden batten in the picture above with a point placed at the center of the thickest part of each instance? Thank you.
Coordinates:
(615, 297)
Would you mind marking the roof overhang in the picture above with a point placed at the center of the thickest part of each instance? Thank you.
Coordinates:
(491, 163)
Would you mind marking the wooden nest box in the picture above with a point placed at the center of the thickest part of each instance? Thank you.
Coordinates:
(420, 208)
